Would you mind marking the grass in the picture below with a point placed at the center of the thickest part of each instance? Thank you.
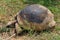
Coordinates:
(9, 8)
(4, 29)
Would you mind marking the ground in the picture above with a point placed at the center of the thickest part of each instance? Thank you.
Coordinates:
(8, 10)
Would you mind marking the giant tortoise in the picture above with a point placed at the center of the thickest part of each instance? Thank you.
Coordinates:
(33, 17)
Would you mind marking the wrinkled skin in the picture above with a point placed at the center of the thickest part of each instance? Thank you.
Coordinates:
(35, 17)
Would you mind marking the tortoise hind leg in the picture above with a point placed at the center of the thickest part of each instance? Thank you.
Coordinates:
(11, 24)
(17, 29)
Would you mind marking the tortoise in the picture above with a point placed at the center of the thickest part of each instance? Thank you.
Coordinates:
(33, 17)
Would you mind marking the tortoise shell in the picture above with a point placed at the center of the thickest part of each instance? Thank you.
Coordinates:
(33, 13)
(36, 17)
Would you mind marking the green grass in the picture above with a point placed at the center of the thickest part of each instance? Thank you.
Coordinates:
(9, 8)
(4, 29)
